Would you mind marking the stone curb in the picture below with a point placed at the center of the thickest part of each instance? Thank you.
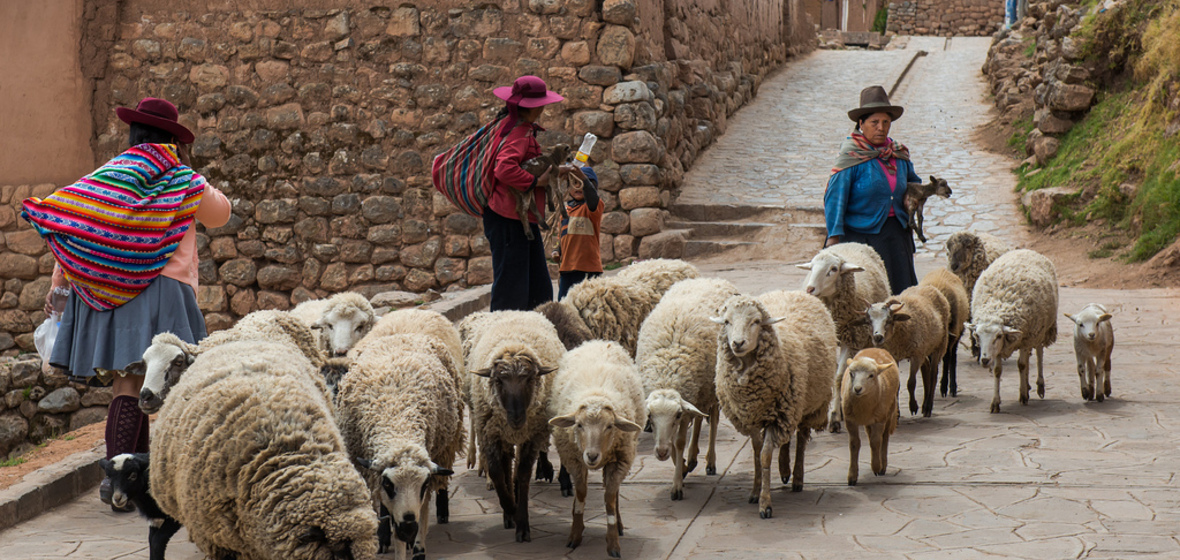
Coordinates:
(906, 70)
(56, 484)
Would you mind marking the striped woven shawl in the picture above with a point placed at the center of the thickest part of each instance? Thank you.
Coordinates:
(113, 231)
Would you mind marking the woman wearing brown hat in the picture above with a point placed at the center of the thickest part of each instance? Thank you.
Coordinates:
(865, 198)
(125, 244)
(520, 274)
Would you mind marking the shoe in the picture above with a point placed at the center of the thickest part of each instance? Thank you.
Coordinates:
(105, 491)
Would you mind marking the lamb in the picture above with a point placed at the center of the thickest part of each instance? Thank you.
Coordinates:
(130, 483)
(869, 395)
(613, 308)
(660, 274)
(511, 353)
(167, 358)
(525, 201)
(833, 279)
(677, 359)
(968, 254)
(913, 326)
(597, 410)
(570, 327)
(775, 358)
(1014, 308)
(1093, 342)
(915, 201)
(401, 414)
(247, 456)
(952, 289)
(339, 321)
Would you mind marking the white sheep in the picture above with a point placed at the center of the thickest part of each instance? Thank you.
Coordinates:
(847, 277)
(1014, 308)
(677, 360)
(511, 354)
(613, 308)
(167, 358)
(597, 409)
(869, 395)
(775, 359)
(968, 254)
(401, 414)
(1093, 342)
(659, 274)
(247, 456)
(339, 321)
(960, 311)
(913, 326)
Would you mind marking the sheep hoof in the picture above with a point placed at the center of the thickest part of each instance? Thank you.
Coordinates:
(880, 472)
(851, 481)
(711, 470)
(1087, 394)
(614, 553)
(677, 495)
(509, 523)
(572, 544)
(691, 466)
(567, 492)
(995, 408)
(834, 426)
(419, 553)
(954, 392)
(1101, 397)
(927, 413)
(524, 535)
(754, 499)
(766, 513)
(797, 487)
(1023, 399)
(1040, 390)
(443, 519)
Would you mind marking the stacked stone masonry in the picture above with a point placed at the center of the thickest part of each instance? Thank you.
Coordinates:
(36, 405)
(320, 123)
(973, 18)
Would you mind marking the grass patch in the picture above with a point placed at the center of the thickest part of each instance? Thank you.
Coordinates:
(612, 266)
(1030, 46)
(880, 21)
(1019, 139)
(13, 462)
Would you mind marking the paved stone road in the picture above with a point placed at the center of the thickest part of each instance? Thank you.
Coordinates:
(1059, 478)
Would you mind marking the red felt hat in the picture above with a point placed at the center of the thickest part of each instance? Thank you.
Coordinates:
(158, 113)
(527, 92)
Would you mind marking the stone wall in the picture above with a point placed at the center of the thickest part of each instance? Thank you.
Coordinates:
(945, 17)
(320, 123)
(37, 405)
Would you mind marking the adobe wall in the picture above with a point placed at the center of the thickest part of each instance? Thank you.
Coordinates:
(321, 122)
(945, 17)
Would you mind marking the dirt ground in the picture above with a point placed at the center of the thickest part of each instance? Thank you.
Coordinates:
(82, 439)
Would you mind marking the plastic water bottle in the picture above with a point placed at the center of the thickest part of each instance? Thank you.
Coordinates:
(582, 158)
(61, 295)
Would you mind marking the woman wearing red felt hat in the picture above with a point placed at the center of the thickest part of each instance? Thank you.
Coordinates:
(520, 275)
(125, 246)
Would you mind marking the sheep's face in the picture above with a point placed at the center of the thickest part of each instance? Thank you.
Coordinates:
(995, 341)
(1088, 322)
(129, 476)
(742, 320)
(882, 316)
(405, 486)
(597, 429)
(343, 327)
(862, 374)
(960, 251)
(941, 187)
(826, 269)
(670, 415)
(512, 381)
(162, 365)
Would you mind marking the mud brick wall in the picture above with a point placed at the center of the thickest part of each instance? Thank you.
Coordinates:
(320, 122)
(946, 17)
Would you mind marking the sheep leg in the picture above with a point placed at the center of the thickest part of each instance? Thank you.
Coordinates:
(419, 548)
(384, 529)
(765, 456)
(1040, 372)
(929, 377)
(715, 416)
(678, 460)
(612, 477)
(756, 444)
(1022, 368)
(472, 453)
(160, 531)
(950, 363)
(854, 451)
(885, 427)
(694, 448)
(999, 369)
(442, 503)
(784, 461)
(912, 384)
(563, 481)
(1084, 378)
(802, 435)
(544, 467)
(499, 462)
(524, 468)
(524, 203)
(836, 408)
(580, 475)
(876, 457)
(1105, 374)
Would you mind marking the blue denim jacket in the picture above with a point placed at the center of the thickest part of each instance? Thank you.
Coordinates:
(858, 198)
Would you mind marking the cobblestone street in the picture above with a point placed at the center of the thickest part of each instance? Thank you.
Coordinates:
(1058, 478)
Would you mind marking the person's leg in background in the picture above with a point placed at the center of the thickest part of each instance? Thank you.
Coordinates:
(540, 285)
(511, 255)
(127, 426)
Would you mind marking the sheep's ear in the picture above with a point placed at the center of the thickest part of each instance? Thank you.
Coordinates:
(627, 425)
(718, 320)
(690, 409)
(901, 316)
(106, 465)
(1070, 317)
(136, 368)
(546, 370)
(881, 367)
(1011, 335)
(485, 372)
(563, 421)
(862, 320)
(849, 267)
(847, 363)
(363, 462)
(895, 305)
(440, 471)
(805, 266)
(1104, 317)
(970, 327)
(772, 321)
(933, 179)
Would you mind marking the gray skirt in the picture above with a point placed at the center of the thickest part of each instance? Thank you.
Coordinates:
(113, 339)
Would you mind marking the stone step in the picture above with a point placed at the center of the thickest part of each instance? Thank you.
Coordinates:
(701, 248)
(720, 229)
(721, 212)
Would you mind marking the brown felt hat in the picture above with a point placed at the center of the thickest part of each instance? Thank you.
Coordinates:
(873, 99)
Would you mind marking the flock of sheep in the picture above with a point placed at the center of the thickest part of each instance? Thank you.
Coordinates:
(305, 434)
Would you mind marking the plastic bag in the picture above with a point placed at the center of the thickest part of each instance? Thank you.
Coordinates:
(45, 334)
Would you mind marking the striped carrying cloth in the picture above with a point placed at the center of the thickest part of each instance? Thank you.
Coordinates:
(113, 231)
(463, 173)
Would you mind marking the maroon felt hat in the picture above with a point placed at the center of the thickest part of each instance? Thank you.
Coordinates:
(158, 113)
(527, 92)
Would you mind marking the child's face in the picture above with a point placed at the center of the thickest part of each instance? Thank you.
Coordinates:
(575, 192)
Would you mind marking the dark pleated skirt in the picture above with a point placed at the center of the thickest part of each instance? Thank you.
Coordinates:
(895, 244)
(113, 339)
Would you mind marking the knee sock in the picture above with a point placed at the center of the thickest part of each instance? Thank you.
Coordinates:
(124, 423)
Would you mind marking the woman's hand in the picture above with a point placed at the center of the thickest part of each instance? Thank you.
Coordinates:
(570, 168)
(543, 179)
(49, 302)
(831, 241)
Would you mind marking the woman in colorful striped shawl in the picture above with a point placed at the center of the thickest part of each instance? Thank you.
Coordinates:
(865, 198)
(125, 244)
